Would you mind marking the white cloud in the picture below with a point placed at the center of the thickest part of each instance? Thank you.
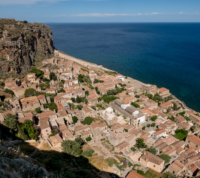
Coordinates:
(139, 14)
(180, 12)
(101, 15)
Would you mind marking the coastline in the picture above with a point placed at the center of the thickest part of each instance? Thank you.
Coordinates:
(90, 65)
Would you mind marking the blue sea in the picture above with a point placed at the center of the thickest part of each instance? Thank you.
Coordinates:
(165, 54)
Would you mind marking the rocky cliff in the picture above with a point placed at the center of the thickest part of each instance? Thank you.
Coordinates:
(22, 43)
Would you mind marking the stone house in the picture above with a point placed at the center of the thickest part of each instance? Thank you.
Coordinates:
(66, 75)
(176, 167)
(93, 76)
(194, 118)
(66, 133)
(51, 90)
(118, 128)
(45, 127)
(30, 103)
(180, 119)
(193, 142)
(150, 104)
(31, 77)
(159, 133)
(56, 141)
(166, 105)
(120, 77)
(115, 138)
(122, 147)
(163, 92)
(87, 111)
(152, 161)
(81, 128)
(42, 99)
(109, 116)
(27, 116)
(47, 75)
(169, 126)
(86, 134)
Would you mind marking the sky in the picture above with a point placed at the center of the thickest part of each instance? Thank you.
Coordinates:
(90, 11)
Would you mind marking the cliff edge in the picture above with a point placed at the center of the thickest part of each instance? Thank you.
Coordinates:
(22, 43)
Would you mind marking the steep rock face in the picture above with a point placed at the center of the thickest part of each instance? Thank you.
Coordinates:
(22, 43)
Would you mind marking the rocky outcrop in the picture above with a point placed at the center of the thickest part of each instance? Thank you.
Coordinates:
(22, 43)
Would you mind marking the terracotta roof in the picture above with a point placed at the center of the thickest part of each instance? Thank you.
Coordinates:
(194, 139)
(149, 157)
(46, 114)
(134, 174)
(116, 126)
(125, 102)
(168, 103)
(41, 97)
(44, 123)
(180, 118)
(163, 89)
(122, 145)
(159, 131)
(177, 166)
(95, 125)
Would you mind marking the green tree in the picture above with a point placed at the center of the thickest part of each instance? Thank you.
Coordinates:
(30, 92)
(53, 76)
(143, 128)
(88, 120)
(38, 110)
(75, 119)
(152, 150)
(70, 147)
(193, 128)
(140, 143)
(79, 107)
(44, 86)
(79, 141)
(87, 93)
(88, 139)
(153, 118)
(61, 90)
(165, 157)
(38, 72)
(10, 121)
(153, 124)
(148, 125)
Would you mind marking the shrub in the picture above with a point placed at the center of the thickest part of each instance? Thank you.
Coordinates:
(79, 141)
(88, 139)
(108, 99)
(51, 106)
(10, 121)
(135, 104)
(38, 72)
(53, 76)
(44, 86)
(140, 143)
(88, 153)
(75, 119)
(148, 125)
(165, 157)
(9, 91)
(70, 147)
(152, 150)
(30, 92)
(143, 128)
(3, 59)
(61, 90)
(37, 110)
(88, 120)
(153, 118)
(153, 124)
(79, 107)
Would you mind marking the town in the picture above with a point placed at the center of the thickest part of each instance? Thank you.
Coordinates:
(133, 127)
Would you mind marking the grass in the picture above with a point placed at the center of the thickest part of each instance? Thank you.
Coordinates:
(98, 162)
(179, 136)
(151, 174)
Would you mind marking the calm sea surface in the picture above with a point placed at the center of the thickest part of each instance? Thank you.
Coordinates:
(165, 54)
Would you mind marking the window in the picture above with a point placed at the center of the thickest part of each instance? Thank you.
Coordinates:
(154, 165)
